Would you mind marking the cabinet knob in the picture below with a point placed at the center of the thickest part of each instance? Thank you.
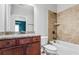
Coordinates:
(8, 43)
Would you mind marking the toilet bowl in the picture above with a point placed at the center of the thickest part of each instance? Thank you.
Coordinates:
(50, 49)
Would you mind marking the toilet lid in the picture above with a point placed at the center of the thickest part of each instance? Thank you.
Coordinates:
(50, 47)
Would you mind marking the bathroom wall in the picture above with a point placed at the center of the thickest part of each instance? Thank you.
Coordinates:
(2, 17)
(52, 19)
(41, 20)
(69, 25)
(41, 17)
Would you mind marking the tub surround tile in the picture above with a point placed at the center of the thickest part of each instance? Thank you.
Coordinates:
(69, 25)
(52, 19)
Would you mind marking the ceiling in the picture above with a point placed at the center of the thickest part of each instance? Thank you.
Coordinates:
(53, 7)
(62, 7)
(56, 7)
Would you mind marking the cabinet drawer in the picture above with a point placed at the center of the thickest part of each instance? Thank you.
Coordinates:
(12, 51)
(36, 38)
(25, 40)
(7, 43)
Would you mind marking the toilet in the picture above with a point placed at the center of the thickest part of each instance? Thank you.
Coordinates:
(49, 49)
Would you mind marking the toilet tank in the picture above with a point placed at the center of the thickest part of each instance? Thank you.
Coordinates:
(44, 40)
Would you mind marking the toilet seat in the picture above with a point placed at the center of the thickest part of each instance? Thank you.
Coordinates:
(50, 47)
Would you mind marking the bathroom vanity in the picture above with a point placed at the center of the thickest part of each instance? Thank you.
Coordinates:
(13, 37)
(22, 44)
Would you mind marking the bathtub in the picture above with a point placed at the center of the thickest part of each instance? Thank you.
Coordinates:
(65, 48)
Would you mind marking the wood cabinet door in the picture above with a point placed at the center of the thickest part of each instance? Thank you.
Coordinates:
(0, 52)
(34, 49)
(18, 51)
(12, 51)
(7, 51)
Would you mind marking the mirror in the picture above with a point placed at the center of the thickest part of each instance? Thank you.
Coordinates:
(16, 18)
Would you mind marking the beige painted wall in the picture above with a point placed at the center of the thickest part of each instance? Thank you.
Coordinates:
(69, 25)
(52, 18)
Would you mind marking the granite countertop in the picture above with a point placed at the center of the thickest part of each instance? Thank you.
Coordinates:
(16, 35)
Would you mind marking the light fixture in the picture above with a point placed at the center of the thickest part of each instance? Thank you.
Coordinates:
(30, 4)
